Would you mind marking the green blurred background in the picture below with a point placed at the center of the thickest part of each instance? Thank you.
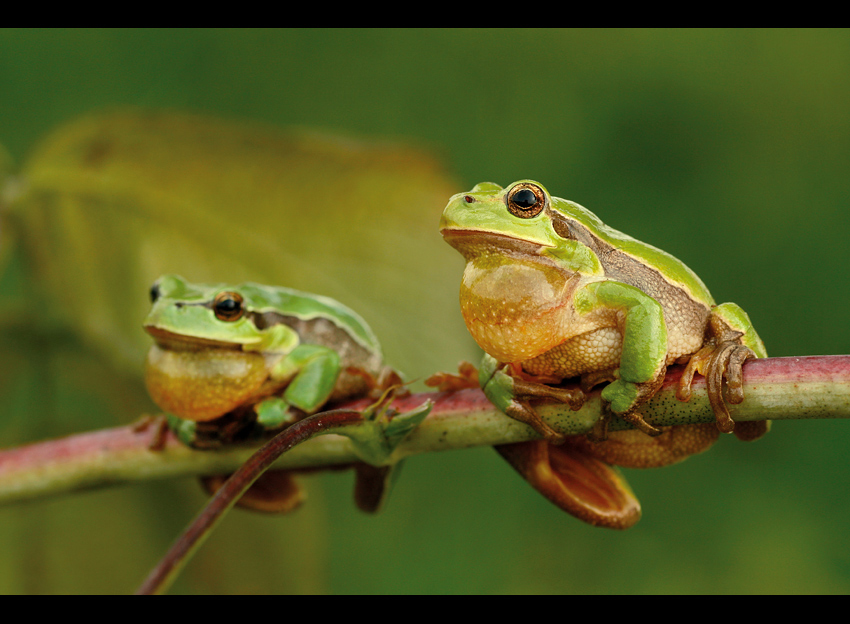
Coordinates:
(728, 148)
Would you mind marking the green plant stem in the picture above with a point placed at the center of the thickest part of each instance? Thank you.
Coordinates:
(775, 388)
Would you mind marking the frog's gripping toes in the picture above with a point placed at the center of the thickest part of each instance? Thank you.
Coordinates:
(730, 341)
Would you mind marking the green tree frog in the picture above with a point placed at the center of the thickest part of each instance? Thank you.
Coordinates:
(550, 293)
(232, 362)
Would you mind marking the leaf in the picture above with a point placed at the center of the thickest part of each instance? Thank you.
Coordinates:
(113, 200)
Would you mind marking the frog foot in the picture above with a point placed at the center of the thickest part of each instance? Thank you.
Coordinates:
(466, 377)
(520, 407)
(624, 399)
(158, 428)
(722, 357)
(599, 433)
(387, 379)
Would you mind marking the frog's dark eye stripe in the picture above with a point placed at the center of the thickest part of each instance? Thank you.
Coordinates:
(227, 306)
(526, 200)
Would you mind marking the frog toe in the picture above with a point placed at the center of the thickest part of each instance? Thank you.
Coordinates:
(523, 412)
(735, 373)
(639, 423)
(726, 363)
(599, 433)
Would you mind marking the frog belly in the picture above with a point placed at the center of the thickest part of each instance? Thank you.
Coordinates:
(595, 350)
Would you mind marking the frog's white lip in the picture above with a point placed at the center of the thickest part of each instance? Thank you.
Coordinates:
(174, 341)
(464, 237)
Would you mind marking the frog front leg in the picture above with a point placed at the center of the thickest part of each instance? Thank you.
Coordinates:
(638, 378)
(312, 372)
(512, 395)
(731, 339)
(644, 351)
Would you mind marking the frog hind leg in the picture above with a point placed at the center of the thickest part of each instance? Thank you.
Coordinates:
(730, 341)
(582, 485)
(388, 379)
(630, 448)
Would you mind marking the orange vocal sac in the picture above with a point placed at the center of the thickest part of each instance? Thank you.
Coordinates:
(203, 384)
(512, 307)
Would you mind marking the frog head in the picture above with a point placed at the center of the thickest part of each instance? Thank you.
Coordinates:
(211, 352)
(522, 219)
(193, 316)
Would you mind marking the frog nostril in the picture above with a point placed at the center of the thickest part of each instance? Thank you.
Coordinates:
(468, 199)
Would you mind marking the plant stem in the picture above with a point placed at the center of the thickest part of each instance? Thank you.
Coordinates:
(775, 388)
(161, 577)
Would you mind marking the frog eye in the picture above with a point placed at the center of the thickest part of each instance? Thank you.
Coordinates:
(154, 292)
(526, 200)
(227, 306)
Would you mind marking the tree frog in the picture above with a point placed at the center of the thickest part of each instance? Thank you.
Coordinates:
(550, 293)
(231, 362)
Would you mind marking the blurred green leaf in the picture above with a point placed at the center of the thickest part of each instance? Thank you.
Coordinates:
(112, 201)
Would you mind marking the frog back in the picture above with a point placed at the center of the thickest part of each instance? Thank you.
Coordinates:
(681, 293)
(324, 322)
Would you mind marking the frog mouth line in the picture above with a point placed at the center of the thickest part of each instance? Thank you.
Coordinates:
(471, 238)
(181, 342)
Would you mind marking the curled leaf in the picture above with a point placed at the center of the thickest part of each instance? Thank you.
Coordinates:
(578, 483)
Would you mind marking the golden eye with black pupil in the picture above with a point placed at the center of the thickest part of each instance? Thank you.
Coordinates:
(227, 306)
(526, 200)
